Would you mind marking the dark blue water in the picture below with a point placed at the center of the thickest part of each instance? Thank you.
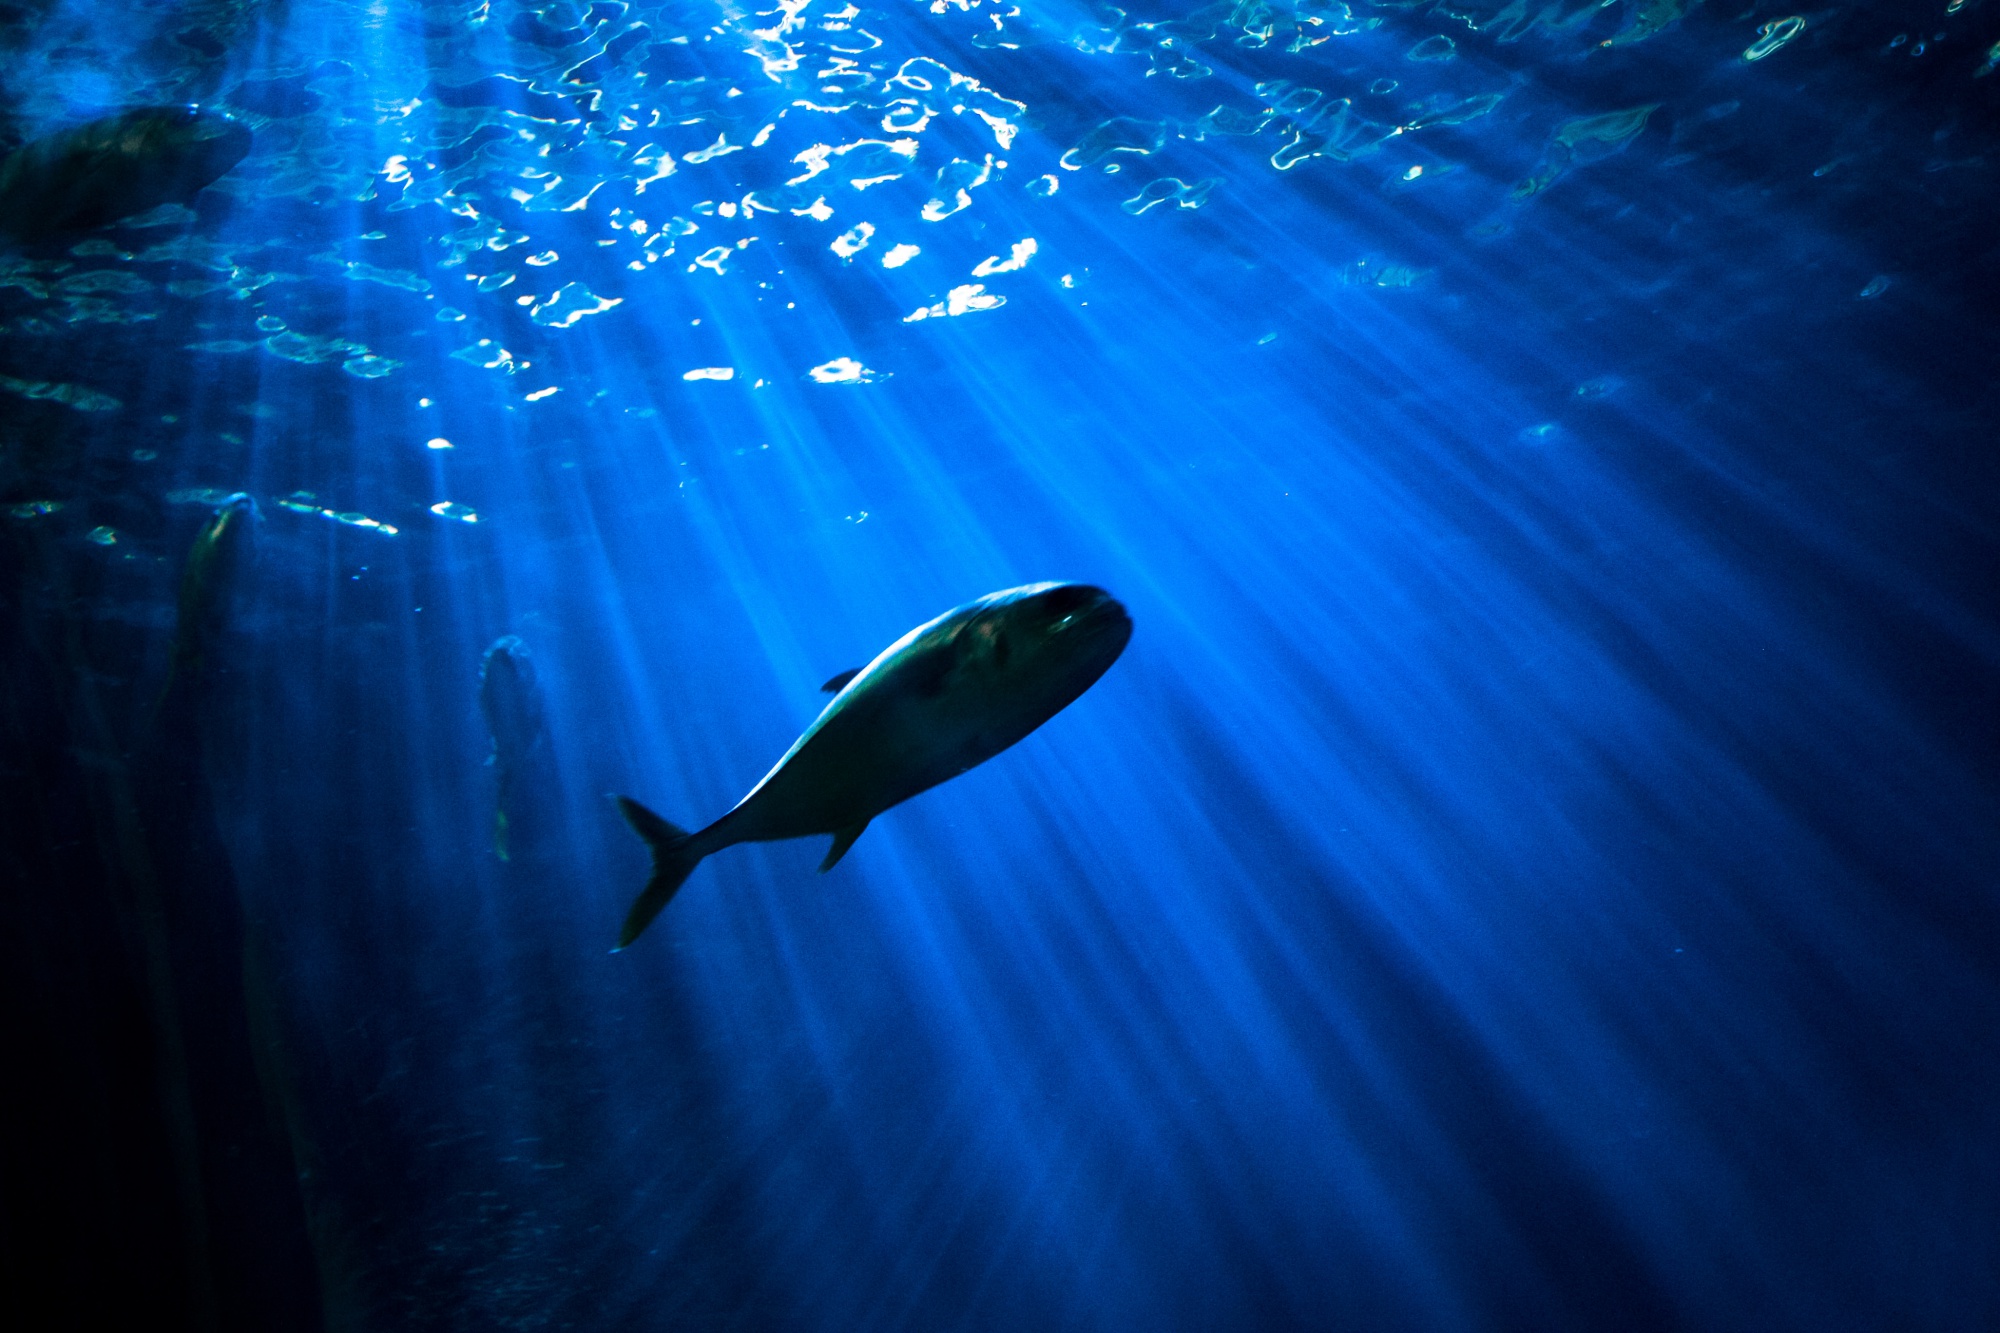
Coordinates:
(1536, 867)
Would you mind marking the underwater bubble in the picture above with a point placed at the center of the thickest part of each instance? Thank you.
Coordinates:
(439, 443)
(493, 282)
(711, 373)
(354, 520)
(1601, 387)
(102, 536)
(270, 324)
(101, 280)
(959, 301)
(1448, 111)
(487, 355)
(1044, 186)
(569, 303)
(1381, 274)
(714, 258)
(449, 315)
(720, 148)
(540, 394)
(853, 241)
(1585, 140)
(900, 255)
(1171, 189)
(1773, 35)
(1120, 134)
(456, 512)
(369, 366)
(309, 350)
(33, 508)
(955, 181)
(1651, 20)
(70, 395)
(843, 370)
(1439, 47)
(1018, 257)
(97, 310)
(357, 271)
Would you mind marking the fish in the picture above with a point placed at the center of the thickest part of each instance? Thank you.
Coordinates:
(947, 696)
(209, 581)
(512, 705)
(92, 175)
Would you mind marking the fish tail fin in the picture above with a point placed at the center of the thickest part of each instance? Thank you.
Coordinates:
(674, 857)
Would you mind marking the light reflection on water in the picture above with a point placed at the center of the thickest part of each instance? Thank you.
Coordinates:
(1532, 868)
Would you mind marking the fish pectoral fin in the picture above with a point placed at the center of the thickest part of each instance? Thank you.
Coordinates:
(841, 842)
(839, 682)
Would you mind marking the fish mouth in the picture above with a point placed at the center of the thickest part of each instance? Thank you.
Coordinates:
(1086, 612)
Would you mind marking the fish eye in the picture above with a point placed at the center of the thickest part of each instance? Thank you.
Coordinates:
(1069, 600)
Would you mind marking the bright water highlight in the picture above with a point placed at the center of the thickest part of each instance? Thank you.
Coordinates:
(1533, 868)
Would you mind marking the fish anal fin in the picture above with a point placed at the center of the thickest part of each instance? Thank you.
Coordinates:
(841, 842)
(839, 682)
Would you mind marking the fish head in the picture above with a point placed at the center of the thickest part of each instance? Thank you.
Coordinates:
(1042, 645)
(212, 578)
(509, 698)
(222, 549)
(204, 143)
(115, 167)
(181, 136)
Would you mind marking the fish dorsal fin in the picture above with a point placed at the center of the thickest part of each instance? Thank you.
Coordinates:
(841, 842)
(839, 682)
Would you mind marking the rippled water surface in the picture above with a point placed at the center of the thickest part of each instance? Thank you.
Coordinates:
(1534, 868)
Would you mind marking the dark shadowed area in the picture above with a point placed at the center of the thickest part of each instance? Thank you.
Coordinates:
(1536, 865)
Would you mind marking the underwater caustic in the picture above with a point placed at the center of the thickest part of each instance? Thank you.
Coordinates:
(1369, 628)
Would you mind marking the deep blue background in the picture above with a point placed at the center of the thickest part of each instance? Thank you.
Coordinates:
(1535, 867)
